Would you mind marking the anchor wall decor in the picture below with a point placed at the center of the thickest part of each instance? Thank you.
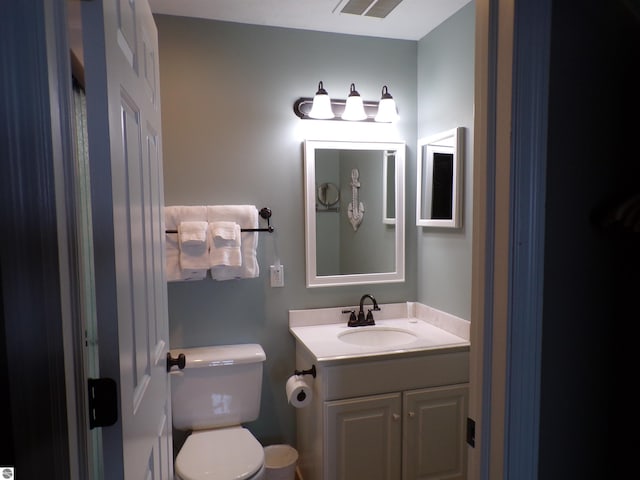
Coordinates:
(355, 210)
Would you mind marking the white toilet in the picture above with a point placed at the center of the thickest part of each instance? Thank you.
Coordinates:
(216, 392)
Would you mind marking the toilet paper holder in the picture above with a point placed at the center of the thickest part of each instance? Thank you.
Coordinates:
(310, 371)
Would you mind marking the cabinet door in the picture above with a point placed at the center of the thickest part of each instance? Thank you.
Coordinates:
(434, 433)
(363, 438)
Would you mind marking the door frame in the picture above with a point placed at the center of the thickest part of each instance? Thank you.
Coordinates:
(510, 138)
(42, 339)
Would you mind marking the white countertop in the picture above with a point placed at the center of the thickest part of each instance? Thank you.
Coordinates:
(319, 329)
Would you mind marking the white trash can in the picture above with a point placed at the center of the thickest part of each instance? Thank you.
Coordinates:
(280, 462)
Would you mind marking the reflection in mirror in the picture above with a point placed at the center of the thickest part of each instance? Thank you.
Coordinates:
(360, 239)
(438, 191)
(389, 187)
(328, 197)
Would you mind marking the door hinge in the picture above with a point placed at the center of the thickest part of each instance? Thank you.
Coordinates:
(471, 432)
(103, 402)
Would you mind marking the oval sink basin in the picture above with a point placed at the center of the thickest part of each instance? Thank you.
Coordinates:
(377, 336)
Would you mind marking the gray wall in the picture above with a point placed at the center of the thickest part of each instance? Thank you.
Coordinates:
(230, 137)
(445, 101)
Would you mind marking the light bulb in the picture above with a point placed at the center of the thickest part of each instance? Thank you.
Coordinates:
(387, 110)
(354, 109)
(321, 108)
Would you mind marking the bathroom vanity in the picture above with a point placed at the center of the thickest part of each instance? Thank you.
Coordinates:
(389, 401)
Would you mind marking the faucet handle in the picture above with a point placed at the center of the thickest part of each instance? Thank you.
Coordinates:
(353, 321)
(370, 320)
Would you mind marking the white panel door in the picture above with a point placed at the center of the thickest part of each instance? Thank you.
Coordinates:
(123, 106)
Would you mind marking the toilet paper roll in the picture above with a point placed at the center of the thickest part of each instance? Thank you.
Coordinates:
(298, 391)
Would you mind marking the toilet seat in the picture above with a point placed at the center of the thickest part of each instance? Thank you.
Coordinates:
(221, 454)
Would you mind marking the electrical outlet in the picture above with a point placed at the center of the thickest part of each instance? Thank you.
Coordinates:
(277, 275)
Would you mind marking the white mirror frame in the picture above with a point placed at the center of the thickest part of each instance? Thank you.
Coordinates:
(313, 280)
(451, 142)
(388, 217)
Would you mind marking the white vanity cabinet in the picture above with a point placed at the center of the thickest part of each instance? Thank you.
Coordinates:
(389, 418)
(417, 434)
(434, 426)
(363, 437)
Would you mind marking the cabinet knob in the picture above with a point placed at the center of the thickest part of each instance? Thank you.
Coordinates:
(412, 414)
(396, 417)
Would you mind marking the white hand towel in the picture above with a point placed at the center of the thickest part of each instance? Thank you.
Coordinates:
(172, 218)
(194, 247)
(193, 234)
(246, 216)
(224, 244)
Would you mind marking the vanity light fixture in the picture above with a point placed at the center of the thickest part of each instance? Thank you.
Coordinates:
(354, 108)
(322, 107)
(387, 110)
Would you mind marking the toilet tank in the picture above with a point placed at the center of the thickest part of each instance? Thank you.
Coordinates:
(220, 386)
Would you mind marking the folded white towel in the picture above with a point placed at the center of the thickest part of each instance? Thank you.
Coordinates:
(226, 231)
(246, 216)
(224, 244)
(193, 234)
(173, 217)
(194, 247)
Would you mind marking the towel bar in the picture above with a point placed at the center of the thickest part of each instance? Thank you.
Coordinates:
(264, 213)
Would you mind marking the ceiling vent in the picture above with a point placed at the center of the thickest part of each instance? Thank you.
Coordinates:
(370, 8)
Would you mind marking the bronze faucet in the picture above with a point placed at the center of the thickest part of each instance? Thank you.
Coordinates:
(362, 320)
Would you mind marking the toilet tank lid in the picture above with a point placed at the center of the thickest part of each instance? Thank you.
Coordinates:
(221, 355)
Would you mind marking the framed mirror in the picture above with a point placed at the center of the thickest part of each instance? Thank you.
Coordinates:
(439, 177)
(360, 240)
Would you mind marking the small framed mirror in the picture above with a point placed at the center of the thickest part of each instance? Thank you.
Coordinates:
(439, 177)
(360, 239)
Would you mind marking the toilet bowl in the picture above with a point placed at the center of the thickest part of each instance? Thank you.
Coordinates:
(221, 454)
(217, 391)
